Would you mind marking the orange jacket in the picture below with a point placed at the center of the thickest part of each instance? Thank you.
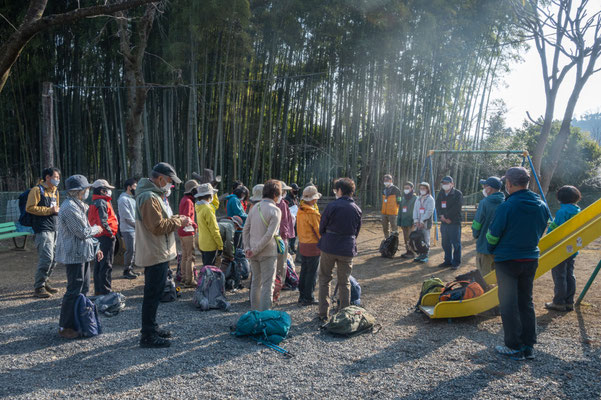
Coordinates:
(391, 197)
(307, 224)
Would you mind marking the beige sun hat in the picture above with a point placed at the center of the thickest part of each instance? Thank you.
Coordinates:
(189, 185)
(310, 193)
(257, 193)
(284, 186)
(102, 183)
(204, 190)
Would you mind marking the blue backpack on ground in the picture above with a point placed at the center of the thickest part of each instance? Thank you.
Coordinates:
(264, 326)
(86, 317)
(242, 265)
(25, 218)
(355, 291)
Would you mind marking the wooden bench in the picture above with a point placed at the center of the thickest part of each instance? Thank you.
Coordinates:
(8, 230)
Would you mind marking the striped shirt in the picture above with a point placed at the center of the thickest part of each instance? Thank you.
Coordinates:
(75, 243)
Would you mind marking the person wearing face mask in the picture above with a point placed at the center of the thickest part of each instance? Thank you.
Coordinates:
(339, 227)
(484, 215)
(513, 238)
(422, 215)
(405, 217)
(76, 248)
(448, 207)
(127, 226)
(210, 243)
(155, 246)
(101, 213)
(391, 198)
(43, 205)
(286, 231)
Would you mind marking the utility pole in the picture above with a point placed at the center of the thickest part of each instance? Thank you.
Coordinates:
(47, 150)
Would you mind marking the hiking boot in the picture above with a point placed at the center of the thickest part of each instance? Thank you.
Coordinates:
(68, 333)
(556, 307)
(517, 355)
(41, 293)
(323, 319)
(129, 275)
(569, 307)
(305, 302)
(455, 267)
(444, 265)
(49, 288)
(528, 352)
(154, 342)
(407, 255)
(420, 257)
(163, 333)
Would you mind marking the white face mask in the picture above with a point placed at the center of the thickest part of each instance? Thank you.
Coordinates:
(407, 191)
(423, 192)
(336, 194)
(387, 184)
(484, 192)
(55, 182)
(86, 194)
(109, 193)
(446, 187)
(168, 192)
(279, 200)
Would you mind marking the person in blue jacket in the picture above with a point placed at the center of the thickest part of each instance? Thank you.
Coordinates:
(513, 238)
(491, 190)
(563, 273)
(234, 203)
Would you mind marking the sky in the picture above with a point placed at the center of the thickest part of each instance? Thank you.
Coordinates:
(522, 88)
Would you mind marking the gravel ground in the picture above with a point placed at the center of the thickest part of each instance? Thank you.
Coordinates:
(411, 357)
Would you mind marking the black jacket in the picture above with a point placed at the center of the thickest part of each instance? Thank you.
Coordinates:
(449, 205)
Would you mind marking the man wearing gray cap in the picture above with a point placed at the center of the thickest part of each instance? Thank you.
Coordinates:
(513, 238)
(155, 246)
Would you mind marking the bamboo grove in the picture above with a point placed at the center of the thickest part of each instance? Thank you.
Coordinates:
(301, 90)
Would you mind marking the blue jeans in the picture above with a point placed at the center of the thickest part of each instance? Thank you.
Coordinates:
(515, 281)
(451, 243)
(565, 282)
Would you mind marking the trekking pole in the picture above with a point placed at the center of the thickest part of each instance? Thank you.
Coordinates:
(277, 348)
(588, 284)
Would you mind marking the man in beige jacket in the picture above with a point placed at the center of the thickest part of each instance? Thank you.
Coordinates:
(155, 246)
(262, 224)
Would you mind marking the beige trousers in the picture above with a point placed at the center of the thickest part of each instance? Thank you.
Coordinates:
(389, 221)
(326, 268)
(485, 263)
(188, 258)
(262, 282)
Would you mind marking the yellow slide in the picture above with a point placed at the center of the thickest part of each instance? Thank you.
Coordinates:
(555, 247)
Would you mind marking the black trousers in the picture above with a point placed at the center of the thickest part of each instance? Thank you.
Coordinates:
(78, 281)
(515, 281)
(103, 269)
(208, 257)
(308, 278)
(154, 284)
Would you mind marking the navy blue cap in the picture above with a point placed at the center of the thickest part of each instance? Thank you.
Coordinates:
(77, 182)
(167, 169)
(447, 179)
(493, 182)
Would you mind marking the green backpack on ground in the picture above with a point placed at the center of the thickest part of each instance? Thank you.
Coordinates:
(351, 320)
(430, 285)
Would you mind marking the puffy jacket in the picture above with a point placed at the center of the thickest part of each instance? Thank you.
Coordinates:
(209, 237)
(234, 207)
(391, 197)
(155, 239)
(339, 227)
(101, 213)
(449, 205)
(484, 216)
(39, 202)
(405, 217)
(518, 225)
(307, 227)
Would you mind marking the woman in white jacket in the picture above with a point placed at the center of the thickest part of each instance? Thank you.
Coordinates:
(422, 216)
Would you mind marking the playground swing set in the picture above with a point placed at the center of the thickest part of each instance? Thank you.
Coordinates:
(555, 247)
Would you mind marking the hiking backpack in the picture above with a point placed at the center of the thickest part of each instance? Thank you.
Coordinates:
(210, 292)
(417, 241)
(86, 317)
(235, 270)
(430, 285)
(474, 276)
(243, 266)
(355, 292)
(460, 290)
(269, 325)
(110, 304)
(25, 218)
(170, 292)
(349, 321)
(292, 279)
(390, 245)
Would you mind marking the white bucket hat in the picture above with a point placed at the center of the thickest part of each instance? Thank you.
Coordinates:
(310, 193)
(204, 190)
(257, 193)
